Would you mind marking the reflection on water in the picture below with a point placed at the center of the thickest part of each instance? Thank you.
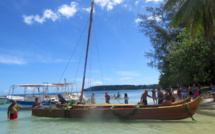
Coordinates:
(34, 125)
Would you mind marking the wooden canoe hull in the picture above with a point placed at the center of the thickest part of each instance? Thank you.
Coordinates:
(174, 112)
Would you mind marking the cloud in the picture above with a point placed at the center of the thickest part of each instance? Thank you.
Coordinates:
(154, 0)
(157, 18)
(137, 20)
(136, 3)
(109, 4)
(45, 59)
(87, 9)
(67, 11)
(39, 19)
(6, 59)
(96, 83)
(49, 14)
(28, 19)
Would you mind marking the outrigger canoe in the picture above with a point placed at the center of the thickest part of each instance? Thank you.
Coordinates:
(121, 111)
(118, 111)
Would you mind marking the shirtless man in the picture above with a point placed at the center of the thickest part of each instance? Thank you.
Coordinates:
(144, 97)
(12, 111)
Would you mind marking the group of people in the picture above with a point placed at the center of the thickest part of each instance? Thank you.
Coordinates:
(192, 91)
(165, 99)
(161, 98)
(107, 98)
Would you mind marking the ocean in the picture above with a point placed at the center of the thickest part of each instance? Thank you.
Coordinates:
(205, 121)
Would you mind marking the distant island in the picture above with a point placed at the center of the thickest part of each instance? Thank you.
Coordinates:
(121, 87)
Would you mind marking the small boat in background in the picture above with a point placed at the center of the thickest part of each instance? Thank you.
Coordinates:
(44, 95)
(3, 100)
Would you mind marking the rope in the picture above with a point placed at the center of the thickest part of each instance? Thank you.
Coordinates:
(126, 116)
(98, 55)
(66, 110)
(66, 113)
(188, 110)
(72, 54)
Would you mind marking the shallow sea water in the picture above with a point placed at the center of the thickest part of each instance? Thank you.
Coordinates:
(33, 125)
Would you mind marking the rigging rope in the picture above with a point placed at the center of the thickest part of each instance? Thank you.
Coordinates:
(99, 60)
(79, 63)
(73, 53)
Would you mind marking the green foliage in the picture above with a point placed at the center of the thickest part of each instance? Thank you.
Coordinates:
(198, 15)
(156, 26)
(189, 62)
(73, 102)
(181, 61)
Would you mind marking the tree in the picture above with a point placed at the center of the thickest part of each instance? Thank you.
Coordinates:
(190, 62)
(198, 15)
(179, 61)
(156, 27)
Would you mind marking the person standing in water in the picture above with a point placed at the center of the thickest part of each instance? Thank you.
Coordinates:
(144, 97)
(126, 98)
(118, 95)
(107, 98)
(160, 96)
(168, 98)
(12, 111)
(93, 99)
(154, 96)
(37, 104)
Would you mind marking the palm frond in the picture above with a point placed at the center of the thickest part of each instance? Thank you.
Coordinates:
(187, 10)
(170, 4)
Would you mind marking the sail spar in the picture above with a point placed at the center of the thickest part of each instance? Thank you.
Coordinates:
(86, 57)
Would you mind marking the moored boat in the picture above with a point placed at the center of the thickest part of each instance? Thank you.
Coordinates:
(42, 93)
(3, 100)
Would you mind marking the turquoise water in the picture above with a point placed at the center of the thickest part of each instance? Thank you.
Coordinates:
(34, 125)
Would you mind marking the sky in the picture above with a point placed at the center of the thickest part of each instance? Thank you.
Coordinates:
(44, 41)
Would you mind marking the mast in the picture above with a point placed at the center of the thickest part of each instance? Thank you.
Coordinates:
(88, 44)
